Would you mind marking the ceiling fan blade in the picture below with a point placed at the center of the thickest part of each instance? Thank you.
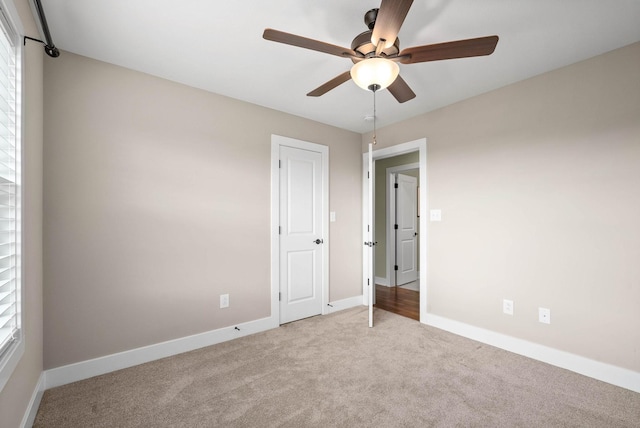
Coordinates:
(389, 20)
(449, 50)
(333, 83)
(401, 91)
(303, 42)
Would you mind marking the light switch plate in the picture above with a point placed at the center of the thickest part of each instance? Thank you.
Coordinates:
(332, 216)
(435, 215)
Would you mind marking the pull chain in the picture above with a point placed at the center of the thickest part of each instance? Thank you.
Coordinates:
(374, 115)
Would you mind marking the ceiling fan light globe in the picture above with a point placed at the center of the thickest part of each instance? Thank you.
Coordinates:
(376, 72)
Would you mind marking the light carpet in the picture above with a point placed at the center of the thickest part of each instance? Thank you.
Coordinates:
(334, 371)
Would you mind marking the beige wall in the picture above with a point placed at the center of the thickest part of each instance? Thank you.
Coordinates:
(539, 187)
(16, 394)
(157, 200)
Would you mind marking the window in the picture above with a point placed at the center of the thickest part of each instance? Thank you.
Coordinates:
(11, 343)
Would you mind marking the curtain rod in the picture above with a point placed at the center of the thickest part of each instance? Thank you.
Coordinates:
(49, 47)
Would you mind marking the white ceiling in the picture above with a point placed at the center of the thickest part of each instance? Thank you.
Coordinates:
(218, 46)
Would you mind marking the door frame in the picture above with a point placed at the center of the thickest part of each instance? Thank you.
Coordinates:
(420, 146)
(391, 217)
(276, 142)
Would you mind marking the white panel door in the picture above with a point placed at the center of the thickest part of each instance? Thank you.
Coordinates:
(407, 232)
(301, 234)
(371, 282)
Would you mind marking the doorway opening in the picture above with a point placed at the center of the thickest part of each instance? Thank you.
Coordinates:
(397, 267)
(380, 247)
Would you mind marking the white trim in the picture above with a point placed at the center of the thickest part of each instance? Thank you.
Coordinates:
(9, 361)
(122, 360)
(605, 372)
(400, 149)
(32, 409)
(86, 369)
(391, 217)
(276, 142)
(382, 280)
(365, 233)
(275, 232)
(341, 305)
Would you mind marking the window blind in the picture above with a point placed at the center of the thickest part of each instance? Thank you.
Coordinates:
(9, 189)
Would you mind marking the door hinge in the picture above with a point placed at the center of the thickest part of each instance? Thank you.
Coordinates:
(395, 226)
(279, 163)
(368, 174)
(368, 281)
(395, 185)
(279, 297)
(279, 230)
(395, 267)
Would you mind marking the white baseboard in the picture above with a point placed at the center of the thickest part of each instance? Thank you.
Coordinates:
(109, 363)
(382, 280)
(32, 410)
(340, 305)
(595, 369)
(83, 370)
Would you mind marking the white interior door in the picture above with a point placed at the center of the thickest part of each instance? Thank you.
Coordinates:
(407, 231)
(370, 238)
(301, 233)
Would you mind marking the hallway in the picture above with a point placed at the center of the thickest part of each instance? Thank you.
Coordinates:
(399, 300)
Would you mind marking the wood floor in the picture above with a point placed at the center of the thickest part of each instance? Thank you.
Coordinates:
(399, 301)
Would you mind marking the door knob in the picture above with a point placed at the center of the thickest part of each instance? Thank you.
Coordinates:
(318, 241)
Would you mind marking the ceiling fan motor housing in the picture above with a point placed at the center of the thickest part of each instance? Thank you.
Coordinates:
(362, 42)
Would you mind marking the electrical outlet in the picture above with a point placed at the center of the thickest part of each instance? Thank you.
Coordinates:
(507, 306)
(544, 315)
(224, 301)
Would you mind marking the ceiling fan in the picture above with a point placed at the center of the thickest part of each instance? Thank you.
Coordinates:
(379, 49)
